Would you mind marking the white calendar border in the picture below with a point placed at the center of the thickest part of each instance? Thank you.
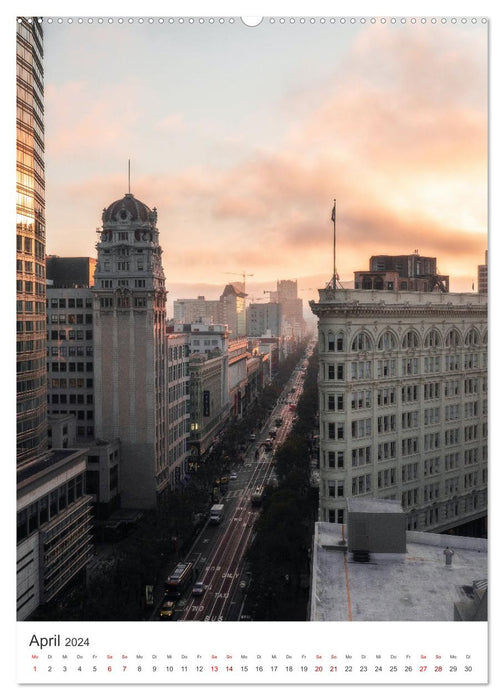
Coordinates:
(226, 653)
(314, 8)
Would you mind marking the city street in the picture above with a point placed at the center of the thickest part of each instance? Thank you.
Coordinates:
(218, 552)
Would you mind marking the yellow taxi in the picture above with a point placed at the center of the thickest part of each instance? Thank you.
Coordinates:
(167, 610)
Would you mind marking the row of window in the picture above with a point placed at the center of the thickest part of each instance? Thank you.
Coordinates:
(388, 340)
(30, 365)
(70, 351)
(361, 456)
(136, 283)
(388, 478)
(360, 400)
(80, 415)
(409, 419)
(70, 319)
(29, 287)
(64, 399)
(30, 307)
(62, 334)
(28, 245)
(365, 369)
(123, 302)
(177, 352)
(29, 267)
(70, 367)
(72, 383)
(71, 303)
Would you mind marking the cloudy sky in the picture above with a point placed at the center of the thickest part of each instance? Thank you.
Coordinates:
(242, 137)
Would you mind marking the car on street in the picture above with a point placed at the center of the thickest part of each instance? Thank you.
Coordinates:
(198, 588)
(252, 437)
(167, 610)
(233, 476)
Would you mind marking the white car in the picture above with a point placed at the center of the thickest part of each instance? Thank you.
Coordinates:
(233, 475)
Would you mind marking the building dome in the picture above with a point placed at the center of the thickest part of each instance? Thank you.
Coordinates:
(129, 209)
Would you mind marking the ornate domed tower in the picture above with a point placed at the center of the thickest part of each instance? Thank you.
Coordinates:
(129, 300)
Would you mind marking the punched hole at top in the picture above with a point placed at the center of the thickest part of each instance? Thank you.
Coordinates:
(251, 21)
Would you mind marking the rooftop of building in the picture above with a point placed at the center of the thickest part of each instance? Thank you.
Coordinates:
(129, 208)
(50, 462)
(434, 299)
(233, 289)
(201, 328)
(417, 585)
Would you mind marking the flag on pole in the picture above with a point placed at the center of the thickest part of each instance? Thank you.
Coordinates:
(333, 215)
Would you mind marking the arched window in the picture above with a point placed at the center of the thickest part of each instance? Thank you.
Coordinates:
(472, 337)
(362, 341)
(485, 338)
(330, 342)
(339, 341)
(387, 341)
(453, 338)
(411, 340)
(432, 339)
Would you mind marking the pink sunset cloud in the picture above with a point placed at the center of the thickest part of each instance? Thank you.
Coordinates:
(397, 135)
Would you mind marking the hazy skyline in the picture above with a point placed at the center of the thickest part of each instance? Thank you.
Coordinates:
(241, 138)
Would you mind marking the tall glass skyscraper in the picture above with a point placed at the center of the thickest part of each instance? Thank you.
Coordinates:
(30, 243)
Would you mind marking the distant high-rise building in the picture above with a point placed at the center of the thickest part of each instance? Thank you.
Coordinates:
(199, 310)
(30, 243)
(129, 298)
(262, 318)
(292, 308)
(287, 289)
(402, 273)
(70, 272)
(233, 310)
(483, 276)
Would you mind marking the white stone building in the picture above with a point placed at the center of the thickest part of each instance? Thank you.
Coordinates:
(403, 403)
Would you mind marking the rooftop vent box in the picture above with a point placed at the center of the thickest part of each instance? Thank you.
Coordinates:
(376, 525)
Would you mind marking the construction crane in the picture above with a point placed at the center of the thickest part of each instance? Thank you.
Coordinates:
(242, 274)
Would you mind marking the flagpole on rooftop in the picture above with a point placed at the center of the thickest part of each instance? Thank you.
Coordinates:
(333, 217)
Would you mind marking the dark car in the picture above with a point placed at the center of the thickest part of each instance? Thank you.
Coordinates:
(198, 588)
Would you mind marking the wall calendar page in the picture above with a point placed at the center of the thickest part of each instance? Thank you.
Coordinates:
(252, 384)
